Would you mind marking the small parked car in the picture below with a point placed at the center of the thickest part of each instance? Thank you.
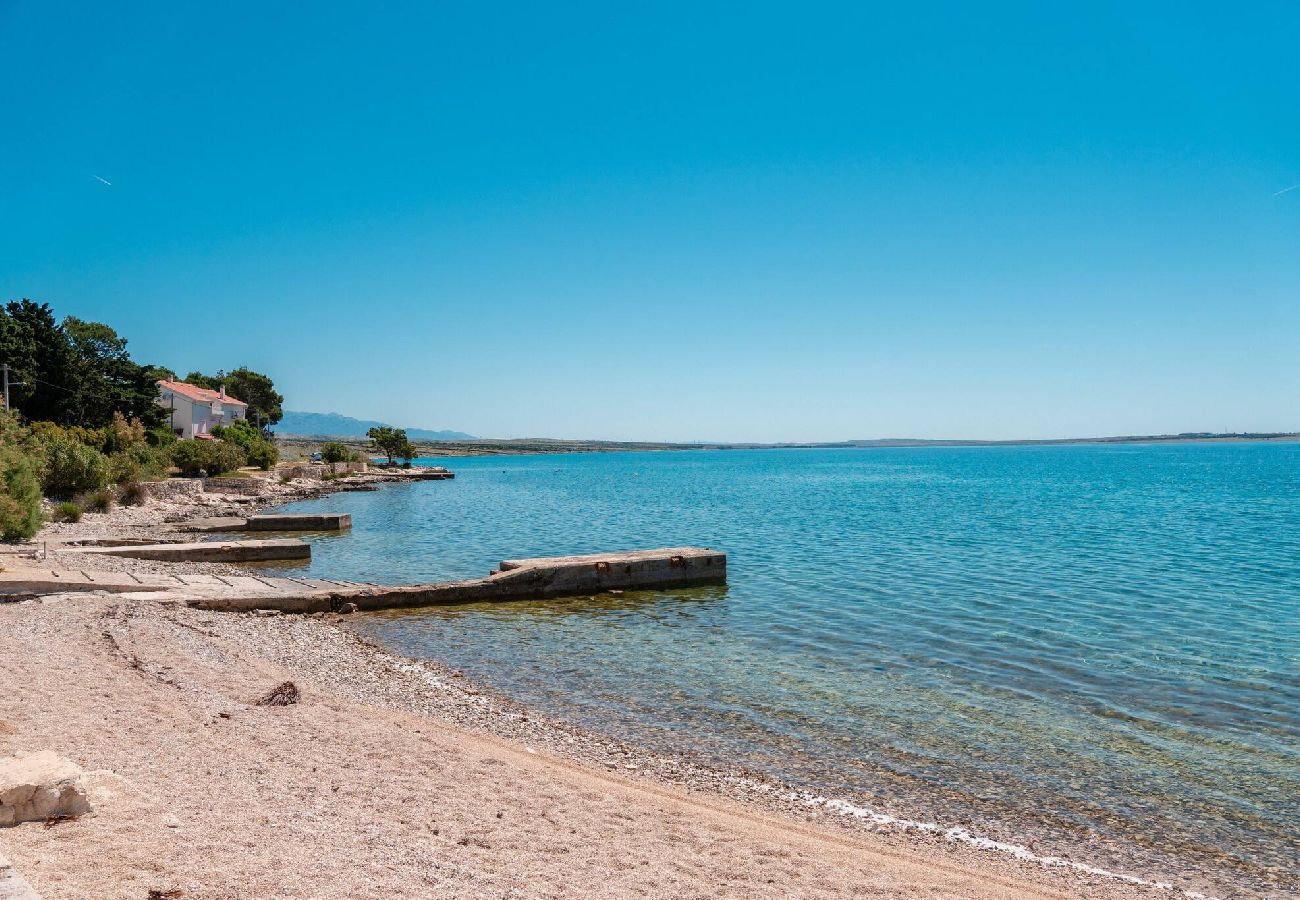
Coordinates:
(316, 457)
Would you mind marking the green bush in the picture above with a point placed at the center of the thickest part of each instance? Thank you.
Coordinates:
(333, 452)
(263, 455)
(257, 449)
(132, 494)
(67, 511)
(226, 457)
(99, 501)
(49, 432)
(191, 456)
(122, 434)
(211, 457)
(71, 467)
(20, 495)
(139, 462)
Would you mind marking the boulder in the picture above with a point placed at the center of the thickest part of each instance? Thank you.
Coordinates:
(39, 786)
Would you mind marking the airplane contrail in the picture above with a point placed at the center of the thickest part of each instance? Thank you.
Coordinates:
(1286, 190)
(110, 184)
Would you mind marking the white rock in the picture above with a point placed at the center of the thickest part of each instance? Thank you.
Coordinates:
(36, 786)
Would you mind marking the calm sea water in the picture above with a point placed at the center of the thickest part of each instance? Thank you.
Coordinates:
(1087, 647)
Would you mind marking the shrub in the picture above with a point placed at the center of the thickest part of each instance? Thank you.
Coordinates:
(48, 432)
(20, 495)
(122, 435)
(67, 511)
(132, 494)
(263, 455)
(140, 462)
(333, 452)
(71, 467)
(191, 456)
(259, 451)
(226, 457)
(99, 501)
(212, 457)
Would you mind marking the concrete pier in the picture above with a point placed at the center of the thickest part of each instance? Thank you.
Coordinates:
(208, 551)
(272, 522)
(299, 522)
(518, 579)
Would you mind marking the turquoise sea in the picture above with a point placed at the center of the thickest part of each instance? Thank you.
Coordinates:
(1089, 649)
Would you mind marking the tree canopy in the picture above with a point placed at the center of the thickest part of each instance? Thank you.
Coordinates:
(265, 406)
(74, 372)
(391, 442)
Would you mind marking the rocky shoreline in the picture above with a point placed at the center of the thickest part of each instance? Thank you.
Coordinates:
(333, 661)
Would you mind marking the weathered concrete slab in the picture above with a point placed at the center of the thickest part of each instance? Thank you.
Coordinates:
(520, 579)
(20, 581)
(209, 551)
(272, 522)
(299, 522)
(214, 524)
(517, 579)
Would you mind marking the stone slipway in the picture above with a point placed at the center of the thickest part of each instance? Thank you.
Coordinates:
(518, 579)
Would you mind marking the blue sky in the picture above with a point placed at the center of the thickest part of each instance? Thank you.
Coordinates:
(677, 221)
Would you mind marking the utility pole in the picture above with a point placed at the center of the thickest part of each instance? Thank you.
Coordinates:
(8, 384)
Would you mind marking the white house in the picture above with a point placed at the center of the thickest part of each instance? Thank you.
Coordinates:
(193, 411)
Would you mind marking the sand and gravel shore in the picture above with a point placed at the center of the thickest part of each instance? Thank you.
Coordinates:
(389, 777)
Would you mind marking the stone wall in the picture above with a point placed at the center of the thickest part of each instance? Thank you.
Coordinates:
(248, 487)
(174, 488)
(317, 471)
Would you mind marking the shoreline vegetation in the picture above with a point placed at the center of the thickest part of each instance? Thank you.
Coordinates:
(528, 446)
(419, 782)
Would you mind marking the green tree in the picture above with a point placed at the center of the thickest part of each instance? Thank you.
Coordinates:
(42, 371)
(391, 442)
(260, 451)
(108, 380)
(333, 451)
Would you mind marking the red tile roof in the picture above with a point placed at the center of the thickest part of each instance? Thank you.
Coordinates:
(203, 395)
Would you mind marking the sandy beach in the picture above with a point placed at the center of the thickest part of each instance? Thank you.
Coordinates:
(390, 777)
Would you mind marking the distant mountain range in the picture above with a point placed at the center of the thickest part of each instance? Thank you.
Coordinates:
(312, 424)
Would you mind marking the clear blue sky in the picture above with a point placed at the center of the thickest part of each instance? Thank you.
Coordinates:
(742, 221)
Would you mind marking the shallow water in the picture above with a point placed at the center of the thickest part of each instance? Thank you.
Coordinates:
(1097, 646)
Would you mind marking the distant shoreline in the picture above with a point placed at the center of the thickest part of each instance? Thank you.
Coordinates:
(528, 446)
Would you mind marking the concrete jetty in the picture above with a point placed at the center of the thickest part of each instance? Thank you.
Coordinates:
(299, 522)
(518, 579)
(207, 551)
(272, 522)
